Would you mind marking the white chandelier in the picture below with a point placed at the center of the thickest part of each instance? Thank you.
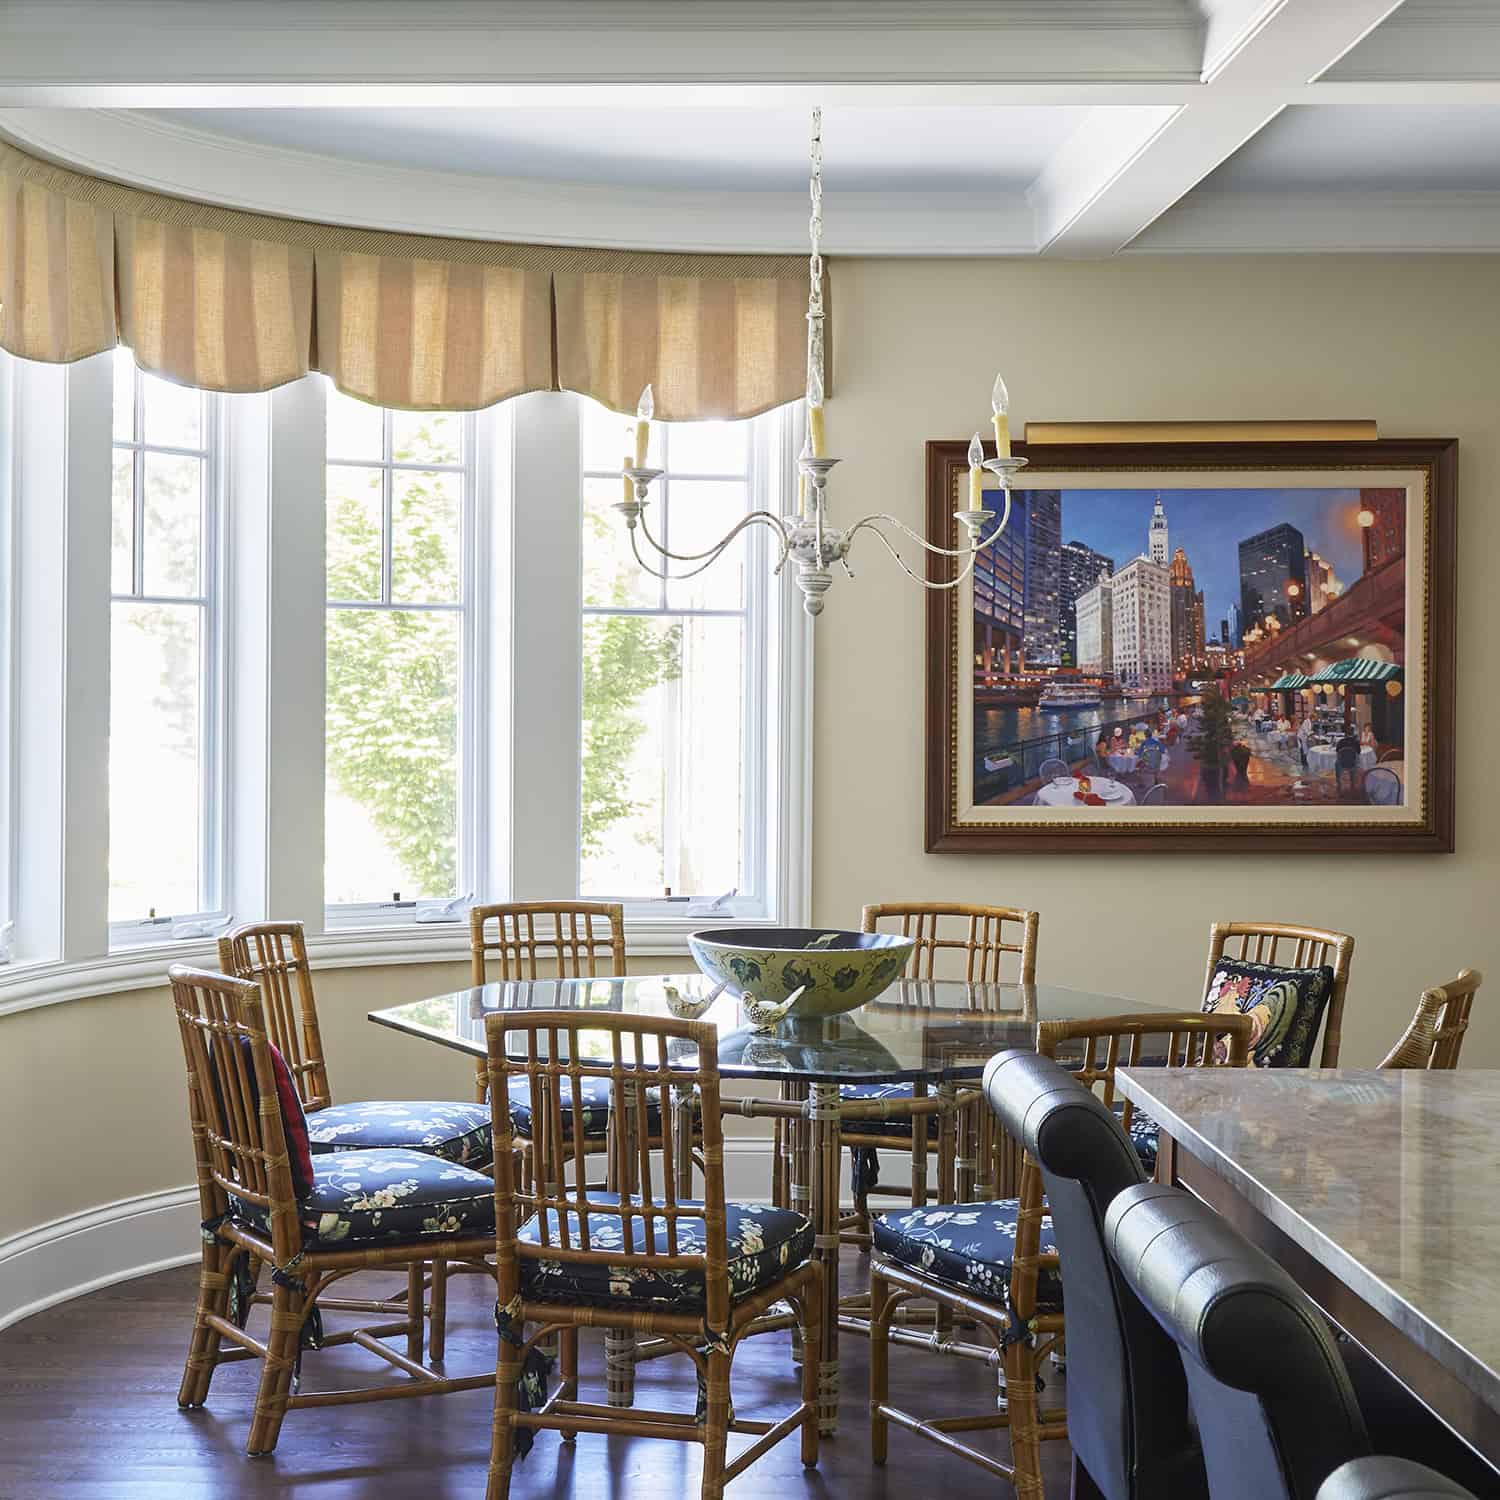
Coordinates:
(808, 539)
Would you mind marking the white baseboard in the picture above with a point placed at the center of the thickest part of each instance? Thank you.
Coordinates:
(85, 1251)
(114, 1242)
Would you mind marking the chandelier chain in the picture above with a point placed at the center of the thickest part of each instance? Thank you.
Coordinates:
(815, 266)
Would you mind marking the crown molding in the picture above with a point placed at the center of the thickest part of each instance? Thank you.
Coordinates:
(177, 160)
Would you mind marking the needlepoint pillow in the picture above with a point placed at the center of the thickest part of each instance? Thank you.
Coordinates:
(293, 1117)
(1285, 1007)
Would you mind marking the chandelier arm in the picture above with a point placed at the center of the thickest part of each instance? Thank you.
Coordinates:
(765, 517)
(901, 562)
(868, 522)
(759, 517)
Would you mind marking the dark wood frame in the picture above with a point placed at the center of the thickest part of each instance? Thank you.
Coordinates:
(1436, 457)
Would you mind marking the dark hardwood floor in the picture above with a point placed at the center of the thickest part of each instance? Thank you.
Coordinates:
(88, 1407)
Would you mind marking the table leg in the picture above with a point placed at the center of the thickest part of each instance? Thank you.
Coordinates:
(822, 1115)
(619, 1343)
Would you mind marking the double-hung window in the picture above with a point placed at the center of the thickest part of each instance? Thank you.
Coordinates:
(677, 723)
(166, 848)
(400, 522)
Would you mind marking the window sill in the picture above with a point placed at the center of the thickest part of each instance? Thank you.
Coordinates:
(29, 986)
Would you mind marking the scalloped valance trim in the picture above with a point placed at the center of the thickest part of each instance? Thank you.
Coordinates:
(234, 301)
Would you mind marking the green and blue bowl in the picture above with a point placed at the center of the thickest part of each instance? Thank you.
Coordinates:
(764, 965)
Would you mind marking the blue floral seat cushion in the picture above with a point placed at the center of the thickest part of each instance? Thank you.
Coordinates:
(375, 1197)
(764, 1244)
(898, 1093)
(450, 1129)
(1143, 1133)
(968, 1245)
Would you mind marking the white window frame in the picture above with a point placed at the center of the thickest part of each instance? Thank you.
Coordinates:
(9, 610)
(213, 724)
(473, 708)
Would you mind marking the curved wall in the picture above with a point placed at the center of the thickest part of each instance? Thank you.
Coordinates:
(91, 1103)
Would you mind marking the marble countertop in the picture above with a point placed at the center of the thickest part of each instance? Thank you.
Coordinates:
(1390, 1179)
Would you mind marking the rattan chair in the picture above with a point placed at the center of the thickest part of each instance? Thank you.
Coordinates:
(1293, 947)
(274, 955)
(693, 1272)
(251, 1213)
(985, 938)
(1435, 1035)
(994, 1264)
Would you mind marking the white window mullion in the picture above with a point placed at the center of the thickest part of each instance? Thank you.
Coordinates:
(546, 646)
(294, 667)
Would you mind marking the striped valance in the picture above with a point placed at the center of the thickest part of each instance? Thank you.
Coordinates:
(1357, 669)
(233, 301)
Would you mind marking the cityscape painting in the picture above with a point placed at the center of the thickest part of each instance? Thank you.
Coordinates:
(1226, 648)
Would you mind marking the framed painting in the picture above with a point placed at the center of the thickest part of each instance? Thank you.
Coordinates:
(1196, 646)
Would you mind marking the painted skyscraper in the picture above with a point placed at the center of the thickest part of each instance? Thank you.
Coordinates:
(1042, 636)
(1081, 567)
(1158, 552)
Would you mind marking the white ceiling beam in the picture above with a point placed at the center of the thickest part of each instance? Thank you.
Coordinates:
(83, 53)
(1105, 188)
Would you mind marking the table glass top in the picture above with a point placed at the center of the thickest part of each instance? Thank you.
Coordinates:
(918, 1029)
(1390, 1179)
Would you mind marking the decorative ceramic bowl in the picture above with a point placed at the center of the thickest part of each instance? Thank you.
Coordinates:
(837, 971)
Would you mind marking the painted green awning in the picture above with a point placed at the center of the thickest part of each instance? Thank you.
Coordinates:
(1358, 669)
(1289, 680)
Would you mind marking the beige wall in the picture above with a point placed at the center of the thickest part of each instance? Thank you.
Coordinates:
(1410, 341)
(91, 1098)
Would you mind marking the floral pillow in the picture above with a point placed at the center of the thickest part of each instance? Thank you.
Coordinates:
(1284, 1005)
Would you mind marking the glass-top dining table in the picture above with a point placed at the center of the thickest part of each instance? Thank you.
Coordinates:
(934, 1034)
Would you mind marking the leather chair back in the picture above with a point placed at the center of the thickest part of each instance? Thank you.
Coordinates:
(1275, 1410)
(1389, 1479)
(1127, 1400)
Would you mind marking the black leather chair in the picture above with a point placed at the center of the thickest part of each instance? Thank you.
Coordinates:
(1389, 1479)
(1275, 1410)
(1127, 1399)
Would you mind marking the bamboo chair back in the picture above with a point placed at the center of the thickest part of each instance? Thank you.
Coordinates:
(1291, 947)
(239, 1142)
(984, 935)
(583, 935)
(1435, 1035)
(274, 955)
(544, 1047)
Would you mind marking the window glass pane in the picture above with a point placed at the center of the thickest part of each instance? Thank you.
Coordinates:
(708, 447)
(392, 800)
(611, 575)
(661, 765)
(354, 532)
(425, 437)
(609, 439)
(124, 428)
(122, 523)
(173, 516)
(699, 512)
(154, 760)
(173, 413)
(426, 536)
(354, 428)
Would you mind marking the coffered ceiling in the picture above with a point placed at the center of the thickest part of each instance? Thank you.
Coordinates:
(1077, 128)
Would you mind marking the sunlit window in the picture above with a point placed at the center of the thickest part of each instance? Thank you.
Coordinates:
(663, 753)
(164, 849)
(398, 502)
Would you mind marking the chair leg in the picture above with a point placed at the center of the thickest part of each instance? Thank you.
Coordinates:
(812, 1343)
(502, 1427)
(716, 1424)
(415, 1296)
(437, 1320)
(567, 1371)
(203, 1346)
(880, 1364)
(1025, 1438)
(277, 1371)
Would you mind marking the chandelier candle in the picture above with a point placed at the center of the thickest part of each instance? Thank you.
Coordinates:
(976, 473)
(1000, 405)
(644, 411)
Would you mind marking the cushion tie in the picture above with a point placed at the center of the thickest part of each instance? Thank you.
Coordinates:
(531, 1382)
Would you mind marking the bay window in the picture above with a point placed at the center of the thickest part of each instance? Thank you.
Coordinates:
(290, 655)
